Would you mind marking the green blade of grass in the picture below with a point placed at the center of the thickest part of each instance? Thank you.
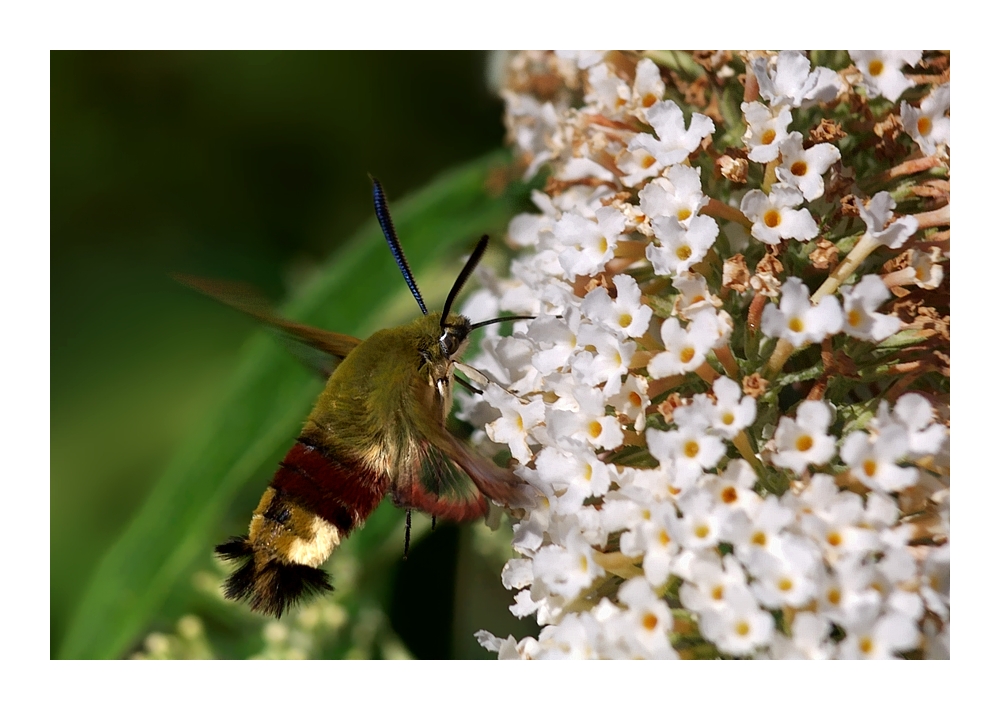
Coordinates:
(266, 401)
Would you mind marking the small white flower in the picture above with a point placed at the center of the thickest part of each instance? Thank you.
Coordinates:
(673, 143)
(915, 414)
(731, 413)
(810, 639)
(516, 421)
(680, 248)
(710, 583)
(648, 87)
(927, 270)
(860, 319)
(928, 125)
(689, 447)
(566, 570)
(684, 349)
(873, 462)
(876, 215)
(679, 195)
(632, 400)
(650, 619)
(804, 168)
(588, 424)
(702, 523)
(787, 577)
(797, 320)
(792, 83)
(766, 128)
(590, 244)
(803, 440)
(607, 90)
(888, 635)
(740, 627)
(626, 314)
(774, 217)
(605, 358)
(881, 70)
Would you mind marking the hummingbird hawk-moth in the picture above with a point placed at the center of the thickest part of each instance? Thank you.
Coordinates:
(377, 428)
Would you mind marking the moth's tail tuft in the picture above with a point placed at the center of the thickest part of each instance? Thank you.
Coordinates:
(274, 586)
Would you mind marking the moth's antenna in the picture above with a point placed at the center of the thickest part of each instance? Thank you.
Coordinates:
(467, 270)
(501, 319)
(382, 212)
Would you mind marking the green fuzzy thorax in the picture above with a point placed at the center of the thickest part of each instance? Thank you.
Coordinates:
(372, 398)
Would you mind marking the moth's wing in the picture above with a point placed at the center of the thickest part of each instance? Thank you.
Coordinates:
(496, 483)
(323, 349)
(451, 481)
(438, 486)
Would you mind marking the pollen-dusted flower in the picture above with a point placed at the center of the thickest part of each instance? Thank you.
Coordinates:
(928, 125)
(766, 128)
(803, 440)
(797, 320)
(673, 143)
(860, 319)
(774, 217)
(804, 168)
(881, 70)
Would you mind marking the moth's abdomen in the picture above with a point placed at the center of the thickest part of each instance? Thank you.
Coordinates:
(315, 500)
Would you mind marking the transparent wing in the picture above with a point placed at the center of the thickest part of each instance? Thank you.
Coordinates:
(323, 349)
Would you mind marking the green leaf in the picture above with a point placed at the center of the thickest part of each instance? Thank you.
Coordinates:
(240, 443)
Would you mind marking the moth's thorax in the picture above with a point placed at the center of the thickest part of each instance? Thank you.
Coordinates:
(388, 389)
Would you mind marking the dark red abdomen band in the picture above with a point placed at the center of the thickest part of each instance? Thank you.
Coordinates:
(341, 491)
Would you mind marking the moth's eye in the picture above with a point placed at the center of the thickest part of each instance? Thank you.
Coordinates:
(449, 343)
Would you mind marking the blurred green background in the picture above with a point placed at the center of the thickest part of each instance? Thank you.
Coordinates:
(248, 166)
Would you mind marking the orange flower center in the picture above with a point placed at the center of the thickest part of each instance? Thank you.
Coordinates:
(687, 354)
(768, 136)
(799, 168)
(804, 442)
(772, 218)
(924, 125)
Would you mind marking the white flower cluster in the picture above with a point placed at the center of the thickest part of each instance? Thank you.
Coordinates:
(653, 533)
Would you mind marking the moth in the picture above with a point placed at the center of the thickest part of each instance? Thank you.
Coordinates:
(377, 429)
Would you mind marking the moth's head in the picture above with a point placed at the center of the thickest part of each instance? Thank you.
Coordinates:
(443, 339)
